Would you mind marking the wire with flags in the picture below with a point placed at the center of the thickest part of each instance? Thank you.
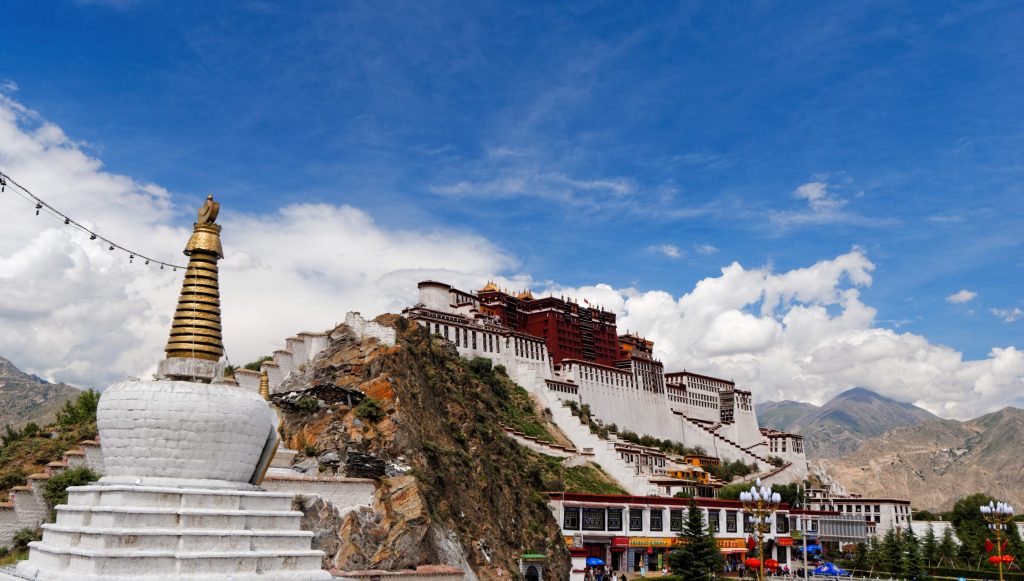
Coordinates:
(8, 183)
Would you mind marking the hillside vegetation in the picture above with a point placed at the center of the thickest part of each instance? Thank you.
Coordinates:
(454, 487)
(28, 450)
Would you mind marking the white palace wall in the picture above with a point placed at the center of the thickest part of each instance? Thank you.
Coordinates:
(614, 399)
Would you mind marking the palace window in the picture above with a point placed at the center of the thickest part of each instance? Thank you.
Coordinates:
(571, 519)
(713, 524)
(615, 519)
(636, 519)
(675, 520)
(593, 519)
(730, 521)
(656, 519)
(782, 525)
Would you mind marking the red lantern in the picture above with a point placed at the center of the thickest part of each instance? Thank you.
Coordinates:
(994, 559)
(1007, 558)
(753, 563)
(771, 564)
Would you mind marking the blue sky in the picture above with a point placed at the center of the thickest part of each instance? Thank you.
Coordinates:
(581, 138)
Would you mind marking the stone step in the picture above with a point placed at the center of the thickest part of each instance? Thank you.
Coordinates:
(188, 540)
(168, 497)
(185, 518)
(211, 564)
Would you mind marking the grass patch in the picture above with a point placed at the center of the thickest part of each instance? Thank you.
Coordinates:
(589, 479)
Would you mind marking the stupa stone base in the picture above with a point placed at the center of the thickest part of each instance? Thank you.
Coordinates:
(122, 533)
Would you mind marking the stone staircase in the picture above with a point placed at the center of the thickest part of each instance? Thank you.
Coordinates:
(114, 532)
(546, 448)
(738, 450)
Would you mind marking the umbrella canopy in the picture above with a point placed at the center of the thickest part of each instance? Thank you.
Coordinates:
(594, 562)
(829, 568)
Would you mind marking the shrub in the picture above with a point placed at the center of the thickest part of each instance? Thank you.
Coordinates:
(23, 537)
(307, 404)
(255, 365)
(55, 491)
(776, 461)
(80, 410)
(480, 366)
(370, 410)
(11, 477)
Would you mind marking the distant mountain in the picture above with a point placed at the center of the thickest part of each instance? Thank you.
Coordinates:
(781, 415)
(843, 423)
(938, 461)
(27, 398)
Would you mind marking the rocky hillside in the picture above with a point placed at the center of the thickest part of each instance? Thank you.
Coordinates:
(453, 487)
(939, 461)
(26, 398)
(843, 423)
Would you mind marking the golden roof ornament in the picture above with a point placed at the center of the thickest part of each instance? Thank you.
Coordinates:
(196, 331)
(265, 385)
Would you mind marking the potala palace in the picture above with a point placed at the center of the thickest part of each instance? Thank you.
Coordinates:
(562, 352)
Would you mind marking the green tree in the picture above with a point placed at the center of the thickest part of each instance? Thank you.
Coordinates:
(860, 559)
(80, 410)
(946, 554)
(930, 547)
(911, 565)
(55, 491)
(697, 557)
(972, 530)
(891, 554)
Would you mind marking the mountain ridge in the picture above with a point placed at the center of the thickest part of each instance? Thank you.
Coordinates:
(28, 398)
(843, 423)
(937, 462)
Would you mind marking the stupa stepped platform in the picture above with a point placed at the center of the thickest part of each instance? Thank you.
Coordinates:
(122, 532)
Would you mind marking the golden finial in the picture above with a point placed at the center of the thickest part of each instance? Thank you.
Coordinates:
(265, 385)
(195, 331)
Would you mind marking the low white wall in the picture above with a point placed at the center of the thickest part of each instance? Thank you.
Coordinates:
(342, 492)
(363, 329)
(8, 525)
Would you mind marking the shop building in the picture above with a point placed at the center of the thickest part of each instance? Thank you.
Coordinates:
(634, 534)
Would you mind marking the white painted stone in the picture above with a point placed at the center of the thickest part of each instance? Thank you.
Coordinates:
(117, 533)
(363, 329)
(176, 430)
(342, 492)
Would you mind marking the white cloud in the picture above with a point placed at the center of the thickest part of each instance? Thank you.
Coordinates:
(705, 249)
(73, 311)
(962, 297)
(669, 250)
(818, 197)
(806, 335)
(1008, 315)
(824, 206)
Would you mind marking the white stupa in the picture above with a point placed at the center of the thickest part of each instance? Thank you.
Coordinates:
(183, 456)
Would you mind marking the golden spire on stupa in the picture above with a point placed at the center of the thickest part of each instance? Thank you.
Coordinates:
(195, 331)
(265, 385)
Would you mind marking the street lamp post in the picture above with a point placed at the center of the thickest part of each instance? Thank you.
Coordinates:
(760, 503)
(997, 514)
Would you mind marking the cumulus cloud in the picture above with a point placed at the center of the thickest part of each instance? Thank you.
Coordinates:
(962, 297)
(1008, 315)
(806, 335)
(669, 250)
(73, 311)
